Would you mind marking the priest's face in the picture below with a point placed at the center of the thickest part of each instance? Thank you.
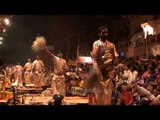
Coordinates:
(103, 34)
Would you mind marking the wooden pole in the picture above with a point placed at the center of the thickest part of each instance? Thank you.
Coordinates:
(147, 45)
(77, 58)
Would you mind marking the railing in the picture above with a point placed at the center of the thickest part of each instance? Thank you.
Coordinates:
(139, 43)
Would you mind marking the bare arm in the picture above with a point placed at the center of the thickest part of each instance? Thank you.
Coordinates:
(143, 59)
(105, 64)
(50, 54)
(95, 52)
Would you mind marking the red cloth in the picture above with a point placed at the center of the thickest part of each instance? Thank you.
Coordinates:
(127, 98)
(146, 75)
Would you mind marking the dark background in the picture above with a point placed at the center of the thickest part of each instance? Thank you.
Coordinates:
(21, 33)
(29, 19)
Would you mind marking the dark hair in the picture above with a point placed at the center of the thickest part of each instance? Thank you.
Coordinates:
(59, 52)
(101, 28)
(119, 88)
(151, 69)
(58, 99)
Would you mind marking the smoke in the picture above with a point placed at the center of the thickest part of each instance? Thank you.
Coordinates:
(39, 44)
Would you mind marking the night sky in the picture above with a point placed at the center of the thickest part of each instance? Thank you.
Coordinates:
(20, 35)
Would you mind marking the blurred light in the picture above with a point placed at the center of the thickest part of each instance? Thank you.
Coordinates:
(85, 59)
(6, 20)
(1, 38)
(148, 30)
(4, 24)
(0, 42)
(4, 30)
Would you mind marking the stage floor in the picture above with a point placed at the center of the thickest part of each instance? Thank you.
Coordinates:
(46, 100)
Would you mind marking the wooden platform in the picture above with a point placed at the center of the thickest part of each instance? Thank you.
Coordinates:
(45, 100)
(76, 100)
(28, 90)
(3, 102)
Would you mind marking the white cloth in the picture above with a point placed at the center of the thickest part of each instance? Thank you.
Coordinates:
(128, 74)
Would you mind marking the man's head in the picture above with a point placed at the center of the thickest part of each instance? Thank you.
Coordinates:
(37, 57)
(103, 32)
(29, 60)
(58, 99)
(60, 54)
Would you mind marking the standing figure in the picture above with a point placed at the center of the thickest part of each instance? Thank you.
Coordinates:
(38, 69)
(28, 72)
(18, 73)
(103, 54)
(56, 65)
